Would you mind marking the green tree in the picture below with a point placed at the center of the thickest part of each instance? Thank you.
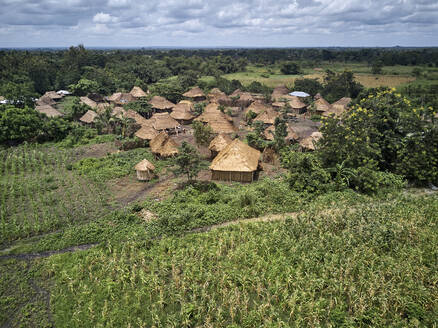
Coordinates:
(280, 133)
(290, 68)
(84, 87)
(338, 85)
(311, 86)
(203, 133)
(377, 66)
(19, 124)
(188, 161)
(256, 138)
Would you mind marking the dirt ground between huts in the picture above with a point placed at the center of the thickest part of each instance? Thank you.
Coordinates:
(96, 151)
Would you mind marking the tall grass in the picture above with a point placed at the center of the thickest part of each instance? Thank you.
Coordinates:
(371, 266)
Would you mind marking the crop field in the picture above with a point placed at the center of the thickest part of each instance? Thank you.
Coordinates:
(368, 266)
(39, 194)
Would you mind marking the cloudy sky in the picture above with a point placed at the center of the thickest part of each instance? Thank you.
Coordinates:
(262, 23)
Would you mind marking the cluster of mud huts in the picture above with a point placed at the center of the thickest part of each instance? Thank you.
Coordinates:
(233, 160)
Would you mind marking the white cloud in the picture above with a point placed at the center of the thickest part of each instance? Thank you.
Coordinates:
(230, 22)
(102, 18)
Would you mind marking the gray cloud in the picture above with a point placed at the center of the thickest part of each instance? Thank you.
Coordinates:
(225, 22)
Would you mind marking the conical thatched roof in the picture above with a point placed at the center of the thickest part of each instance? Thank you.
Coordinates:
(100, 108)
(163, 145)
(115, 97)
(340, 106)
(53, 95)
(48, 110)
(309, 142)
(87, 101)
(296, 103)
(344, 101)
(146, 133)
(88, 117)
(145, 165)
(125, 98)
(245, 99)
(236, 93)
(138, 92)
(268, 116)
(45, 100)
(219, 142)
(163, 121)
(218, 121)
(257, 108)
(281, 90)
(118, 112)
(322, 105)
(137, 117)
(183, 111)
(161, 103)
(194, 92)
(236, 157)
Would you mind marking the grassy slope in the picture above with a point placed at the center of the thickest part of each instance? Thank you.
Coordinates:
(375, 265)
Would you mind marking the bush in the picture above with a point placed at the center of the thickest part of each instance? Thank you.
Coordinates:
(203, 133)
(368, 180)
(305, 172)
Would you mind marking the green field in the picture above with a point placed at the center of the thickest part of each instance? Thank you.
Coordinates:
(336, 261)
(392, 76)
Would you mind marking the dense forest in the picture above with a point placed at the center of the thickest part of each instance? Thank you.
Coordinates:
(24, 74)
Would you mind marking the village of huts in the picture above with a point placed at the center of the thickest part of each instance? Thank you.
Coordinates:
(164, 125)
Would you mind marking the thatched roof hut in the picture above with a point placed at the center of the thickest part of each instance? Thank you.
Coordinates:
(245, 99)
(279, 92)
(236, 93)
(163, 121)
(309, 142)
(118, 112)
(88, 117)
(53, 95)
(145, 170)
(137, 117)
(87, 101)
(102, 107)
(340, 106)
(45, 100)
(49, 111)
(195, 94)
(267, 117)
(163, 145)
(161, 103)
(138, 92)
(257, 108)
(236, 162)
(219, 143)
(297, 105)
(219, 122)
(114, 97)
(322, 105)
(182, 111)
(219, 97)
(146, 133)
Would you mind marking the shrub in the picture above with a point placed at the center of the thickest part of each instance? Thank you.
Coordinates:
(368, 180)
(305, 172)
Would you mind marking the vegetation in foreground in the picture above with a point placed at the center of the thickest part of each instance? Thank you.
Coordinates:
(342, 266)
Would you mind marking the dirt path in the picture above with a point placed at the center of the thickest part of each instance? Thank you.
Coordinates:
(265, 218)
